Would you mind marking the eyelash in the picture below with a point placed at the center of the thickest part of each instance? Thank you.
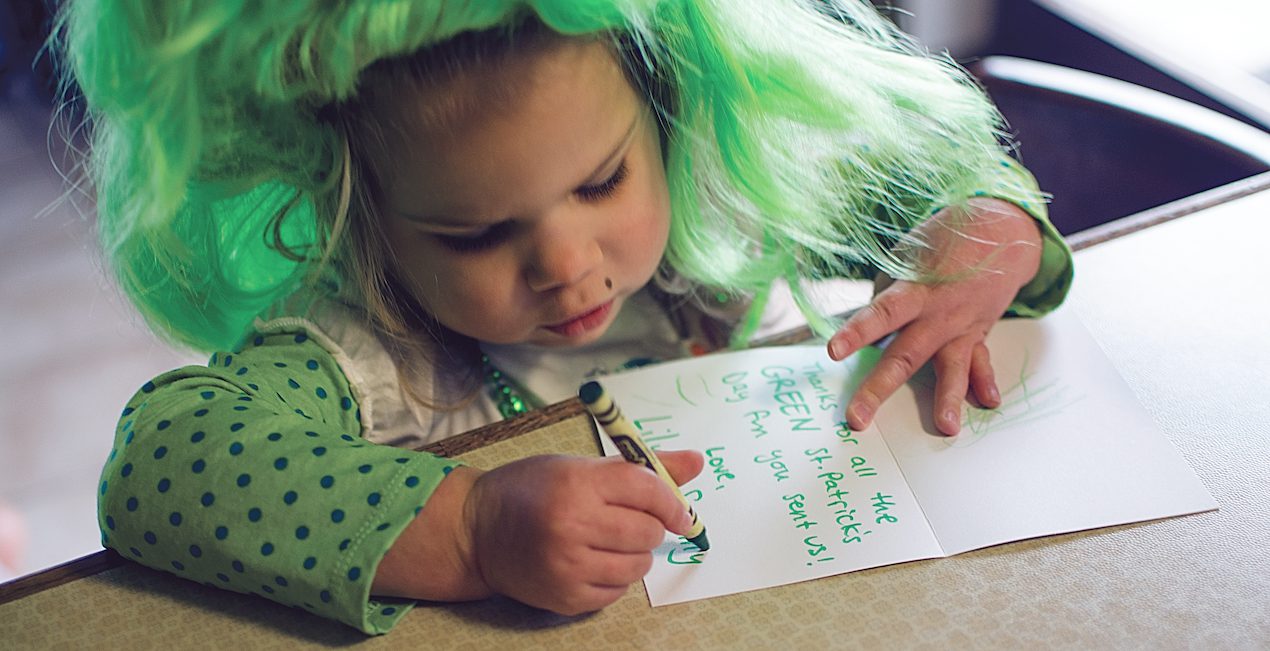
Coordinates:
(604, 189)
(484, 240)
(498, 232)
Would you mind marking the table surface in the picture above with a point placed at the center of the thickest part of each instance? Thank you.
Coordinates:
(1219, 49)
(1175, 297)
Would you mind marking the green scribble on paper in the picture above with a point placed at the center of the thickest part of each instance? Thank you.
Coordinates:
(1021, 403)
(705, 384)
(679, 387)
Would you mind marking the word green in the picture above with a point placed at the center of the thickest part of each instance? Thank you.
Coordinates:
(793, 405)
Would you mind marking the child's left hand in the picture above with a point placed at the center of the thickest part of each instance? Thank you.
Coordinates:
(988, 253)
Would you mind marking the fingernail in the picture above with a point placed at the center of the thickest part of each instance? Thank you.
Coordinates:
(994, 395)
(951, 422)
(861, 414)
(835, 350)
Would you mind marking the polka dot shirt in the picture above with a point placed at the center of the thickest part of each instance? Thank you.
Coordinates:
(249, 475)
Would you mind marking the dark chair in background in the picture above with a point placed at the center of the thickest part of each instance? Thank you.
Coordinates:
(1105, 148)
(24, 25)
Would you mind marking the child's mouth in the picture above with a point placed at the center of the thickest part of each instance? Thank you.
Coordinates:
(583, 323)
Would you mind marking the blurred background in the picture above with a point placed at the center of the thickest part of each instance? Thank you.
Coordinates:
(73, 352)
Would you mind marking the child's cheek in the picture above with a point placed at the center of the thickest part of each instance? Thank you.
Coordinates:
(652, 221)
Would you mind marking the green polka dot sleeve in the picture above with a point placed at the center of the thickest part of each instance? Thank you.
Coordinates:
(1011, 182)
(250, 475)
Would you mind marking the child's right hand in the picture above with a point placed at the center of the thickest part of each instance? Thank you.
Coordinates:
(570, 534)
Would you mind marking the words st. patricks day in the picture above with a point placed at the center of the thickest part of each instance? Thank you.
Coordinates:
(775, 442)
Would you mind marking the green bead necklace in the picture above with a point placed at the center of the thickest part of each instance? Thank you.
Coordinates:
(501, 390)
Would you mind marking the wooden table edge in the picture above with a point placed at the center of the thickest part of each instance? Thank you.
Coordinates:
(71, 570)
(106, 559)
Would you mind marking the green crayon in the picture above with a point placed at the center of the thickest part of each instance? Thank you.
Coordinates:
(634, 450)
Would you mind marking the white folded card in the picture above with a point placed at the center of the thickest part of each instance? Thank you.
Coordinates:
(789, 493)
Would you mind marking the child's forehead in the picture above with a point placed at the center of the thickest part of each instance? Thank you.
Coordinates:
(573, 106)
(490, 86)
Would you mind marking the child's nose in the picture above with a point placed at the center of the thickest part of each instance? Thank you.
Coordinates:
(562, 257)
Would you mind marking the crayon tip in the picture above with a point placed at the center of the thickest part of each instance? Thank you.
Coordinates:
(590, 392)
(700, 541)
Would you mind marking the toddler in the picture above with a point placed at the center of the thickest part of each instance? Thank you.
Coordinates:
(395, 221)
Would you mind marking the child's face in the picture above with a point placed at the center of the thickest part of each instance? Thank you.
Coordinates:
(533, 222)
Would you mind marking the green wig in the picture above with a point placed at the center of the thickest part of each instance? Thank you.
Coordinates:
(803, 137)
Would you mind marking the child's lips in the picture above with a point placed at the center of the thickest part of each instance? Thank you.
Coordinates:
(583, 323)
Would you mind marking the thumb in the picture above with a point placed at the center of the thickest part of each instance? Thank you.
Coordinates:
(682, 465)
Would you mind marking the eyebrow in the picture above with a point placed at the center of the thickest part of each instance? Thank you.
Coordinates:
(445, 223)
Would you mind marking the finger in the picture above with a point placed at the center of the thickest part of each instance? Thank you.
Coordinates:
(636, 487)
(624, 530)
(683, 465)
(983, 380)
(952, 379)
(889, 311)
(901, 359)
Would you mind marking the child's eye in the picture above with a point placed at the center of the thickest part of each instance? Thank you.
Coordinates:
(486, 239)
(604, 189)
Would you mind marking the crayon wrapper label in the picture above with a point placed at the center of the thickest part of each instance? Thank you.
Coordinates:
(632, 451)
